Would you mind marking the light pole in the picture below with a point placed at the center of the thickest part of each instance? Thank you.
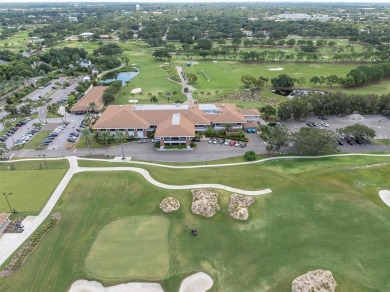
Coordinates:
(5, 195)
(44, 159)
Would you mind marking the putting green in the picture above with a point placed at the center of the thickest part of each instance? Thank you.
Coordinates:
(135, 247)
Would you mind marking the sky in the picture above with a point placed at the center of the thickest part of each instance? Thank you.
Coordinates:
(188, 1)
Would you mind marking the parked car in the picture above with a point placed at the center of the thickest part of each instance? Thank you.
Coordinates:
(238, 144)
(75, 134)
(2, 139)
(196, 140)
(232, 143)
(358, 141)
(340, 143)
(142, 141)
(221, 141)
(215, 141)
(72, 139)
(324, 124)
(210, 141)
(227, 141)
(243, 144)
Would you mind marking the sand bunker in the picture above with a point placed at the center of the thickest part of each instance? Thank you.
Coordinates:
(204, 202)
(275, 69)
(238, 207)
(169, 204)
(93, 286)
(136, 90)
(198, 282)
(356, 117)
(318, 280)
(385, 196)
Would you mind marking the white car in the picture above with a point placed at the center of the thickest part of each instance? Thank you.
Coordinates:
(325, 124)
(227, 141)
(238, 144)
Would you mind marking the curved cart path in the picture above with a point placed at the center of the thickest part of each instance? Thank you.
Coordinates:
(9, 243)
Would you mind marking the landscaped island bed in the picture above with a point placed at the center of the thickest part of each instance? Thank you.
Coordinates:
(321, 214)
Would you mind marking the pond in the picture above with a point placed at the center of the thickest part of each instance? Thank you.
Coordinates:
(122, 76)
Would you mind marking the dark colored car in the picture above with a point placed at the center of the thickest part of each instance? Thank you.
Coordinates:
(243, 144)
(75, 134)
(340, 143)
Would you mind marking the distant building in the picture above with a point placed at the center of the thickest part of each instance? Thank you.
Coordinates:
(72, 19)
(86, 35)
(247, 33)
(137, 7)
(84, 63)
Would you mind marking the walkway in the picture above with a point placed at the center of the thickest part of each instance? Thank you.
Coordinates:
(184, 84)
(9, 243)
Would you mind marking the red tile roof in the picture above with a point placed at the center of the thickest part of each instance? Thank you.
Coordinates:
(120, 117)
(175, 125)
(93, 95)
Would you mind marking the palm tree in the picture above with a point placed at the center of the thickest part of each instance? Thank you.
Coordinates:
(105, 137)
(228, 127)
(87, 135)
(91, 106)
(120, 136)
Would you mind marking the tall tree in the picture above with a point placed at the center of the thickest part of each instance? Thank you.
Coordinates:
(276, 137)
(87, 135)
(359, 131)
(315, 141)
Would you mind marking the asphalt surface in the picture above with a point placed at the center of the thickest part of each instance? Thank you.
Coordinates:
(56, 95)
(381, 124)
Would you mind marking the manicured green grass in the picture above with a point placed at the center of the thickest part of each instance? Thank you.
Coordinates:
(34, 165)
(225, 76)
(81, 143)
(30, 188)
(321, 214)
(249, 177)
(141, 241)
(381, 141)
(151, 79)
(36, 140)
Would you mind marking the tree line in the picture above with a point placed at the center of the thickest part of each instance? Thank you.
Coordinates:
(334, 104)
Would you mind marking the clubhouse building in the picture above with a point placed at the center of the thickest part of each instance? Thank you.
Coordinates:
(174, 124)
(93, 95)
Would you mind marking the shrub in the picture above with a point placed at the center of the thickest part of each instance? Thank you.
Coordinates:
(250, 156)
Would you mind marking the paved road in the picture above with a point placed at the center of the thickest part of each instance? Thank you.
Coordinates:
(184, 84)
(145, 151)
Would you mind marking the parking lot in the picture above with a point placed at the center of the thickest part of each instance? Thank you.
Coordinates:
(380, 124)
